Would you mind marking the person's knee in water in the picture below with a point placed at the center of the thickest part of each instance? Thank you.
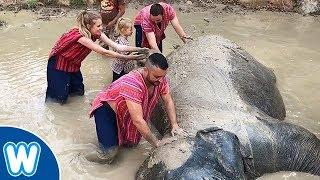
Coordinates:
(106, 128)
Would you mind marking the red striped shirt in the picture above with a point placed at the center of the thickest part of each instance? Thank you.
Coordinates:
(130, 87)
(69, 52)
(143, 19)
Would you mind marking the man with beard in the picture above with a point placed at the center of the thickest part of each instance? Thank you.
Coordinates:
(123, 109)
(151, 22)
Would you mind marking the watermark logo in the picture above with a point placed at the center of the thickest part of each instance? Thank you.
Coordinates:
(26, 156)
(21, 158)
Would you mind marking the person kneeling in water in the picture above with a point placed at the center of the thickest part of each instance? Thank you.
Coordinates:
(63, 71)
(123, 109)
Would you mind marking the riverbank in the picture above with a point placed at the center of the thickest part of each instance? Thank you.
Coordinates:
(56, 7)
(62, 8)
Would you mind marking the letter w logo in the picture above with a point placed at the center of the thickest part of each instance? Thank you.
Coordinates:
(21, 158)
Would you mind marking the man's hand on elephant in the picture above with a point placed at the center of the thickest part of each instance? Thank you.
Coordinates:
(176, 130)
(185, 38)
(165, 141)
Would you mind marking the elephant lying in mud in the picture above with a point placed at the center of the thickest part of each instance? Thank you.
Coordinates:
(232, 110)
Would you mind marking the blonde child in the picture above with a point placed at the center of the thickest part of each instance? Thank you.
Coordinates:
(122, 66)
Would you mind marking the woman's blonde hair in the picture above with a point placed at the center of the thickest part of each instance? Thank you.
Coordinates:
(123, 23)
(86, 18)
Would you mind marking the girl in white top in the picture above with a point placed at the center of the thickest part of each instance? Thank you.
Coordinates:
(121, 67)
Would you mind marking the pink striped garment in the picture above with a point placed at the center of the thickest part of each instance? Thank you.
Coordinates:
(143, 19)
(129, 87)
(70, 53)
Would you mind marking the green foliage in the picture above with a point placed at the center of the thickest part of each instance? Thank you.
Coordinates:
(77, 3)
(32, 4)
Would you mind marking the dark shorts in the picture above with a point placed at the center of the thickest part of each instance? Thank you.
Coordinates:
(117, 76)
(106, 126)
(62, 84)
(139, 37)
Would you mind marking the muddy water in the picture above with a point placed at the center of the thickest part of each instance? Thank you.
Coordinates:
(286, 43)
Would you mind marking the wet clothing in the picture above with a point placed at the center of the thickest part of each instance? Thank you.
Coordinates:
(63, 71)
(106, 126)
(143, 19)
(129, 87)
(121, 65)
(61, 84)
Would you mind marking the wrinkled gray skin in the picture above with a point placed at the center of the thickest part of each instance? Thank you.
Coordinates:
(232, 110)
(309, 6)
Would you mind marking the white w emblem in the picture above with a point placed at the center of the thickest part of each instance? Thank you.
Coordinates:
(21, 158)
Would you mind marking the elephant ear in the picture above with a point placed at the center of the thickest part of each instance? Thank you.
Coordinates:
(256, 84)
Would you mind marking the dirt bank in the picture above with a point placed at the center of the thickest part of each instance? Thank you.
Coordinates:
(298, 6)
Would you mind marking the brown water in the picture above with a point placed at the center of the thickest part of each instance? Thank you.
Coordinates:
(287, 43)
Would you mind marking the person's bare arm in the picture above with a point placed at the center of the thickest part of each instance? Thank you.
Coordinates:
(97, 48)
(152, 41)
(171, 112)
(89, 4)
(136, 114)
(120, 47)
(170, 109)
(177, 27)
(122, 10)
(98, 2)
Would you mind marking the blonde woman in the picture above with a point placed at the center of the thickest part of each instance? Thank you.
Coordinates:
(63, 71)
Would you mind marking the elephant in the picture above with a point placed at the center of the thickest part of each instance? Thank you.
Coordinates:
(233, 112)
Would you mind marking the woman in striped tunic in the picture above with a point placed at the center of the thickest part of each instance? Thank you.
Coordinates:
(63, 72)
